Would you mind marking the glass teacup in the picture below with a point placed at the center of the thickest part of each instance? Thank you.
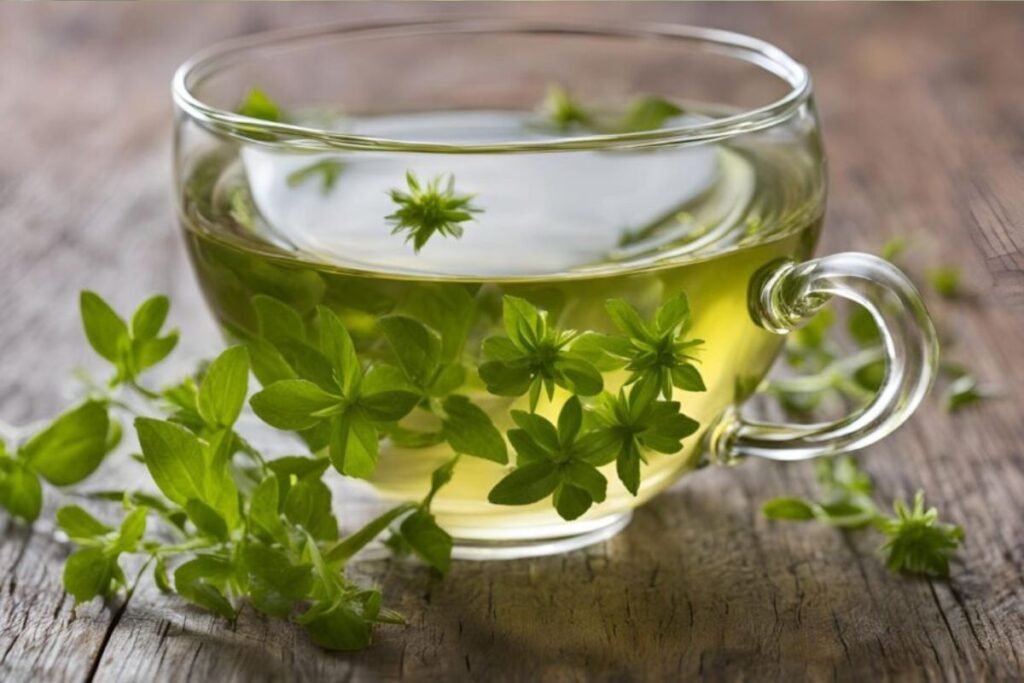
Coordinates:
(557, 256)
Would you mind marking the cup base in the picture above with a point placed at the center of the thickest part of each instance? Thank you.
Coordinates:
(481, 550)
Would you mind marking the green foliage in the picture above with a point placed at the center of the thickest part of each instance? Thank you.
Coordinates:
(564, 113)
(426, 210)
(258, 105)
(131, 350)
(328, 170)
(917, 543)
(228, 525)
(655, 352)
(535, 356)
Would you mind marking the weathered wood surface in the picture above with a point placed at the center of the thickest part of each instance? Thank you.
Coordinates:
(923, 109)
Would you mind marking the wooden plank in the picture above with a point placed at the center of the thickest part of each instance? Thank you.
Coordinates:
(922, 116)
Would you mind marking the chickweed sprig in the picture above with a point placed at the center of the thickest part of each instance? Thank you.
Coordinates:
(431, 208)
(916, 542)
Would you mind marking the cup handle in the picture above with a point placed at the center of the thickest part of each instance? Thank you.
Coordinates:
(783, 296)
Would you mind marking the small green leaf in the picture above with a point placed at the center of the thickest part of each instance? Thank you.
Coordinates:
(198, 579)
(570, 419)
(79, 524)
(354, 444)
(337, 346)
(265, 507)
(106, 331)
(527, 484)
(338, 627)
(675, 312)
(417, 349)
(88, 573)
(585, 476)
(328, 169)
(293, 581)
(150, 317)
(687, 378)
(627, 320)
(21, 494)
(581, 377)
(648, 113)
(174, 458)
(206, 519)
(133, 526)
(788, 508)
(571, 502)
(627, 466)
(224, 388)
(72, 446)
(469, 430)
(292, 404)
(429, 541)
(542, 431)
(945, 281)
(277, 321)
(258, 105)
(308, 505)
(149, 352)
(505, 379)
(386, 395)
(350, 545)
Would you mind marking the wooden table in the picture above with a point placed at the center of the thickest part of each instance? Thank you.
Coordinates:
(923, 110)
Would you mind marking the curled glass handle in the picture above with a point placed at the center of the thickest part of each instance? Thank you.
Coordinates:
(785, 295)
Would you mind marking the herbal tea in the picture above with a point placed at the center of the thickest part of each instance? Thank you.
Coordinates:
(569, 322)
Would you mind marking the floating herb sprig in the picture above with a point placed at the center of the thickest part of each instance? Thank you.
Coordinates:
(565, 113)
(431, 208)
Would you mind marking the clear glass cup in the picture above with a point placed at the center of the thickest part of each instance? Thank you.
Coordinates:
(720, 198)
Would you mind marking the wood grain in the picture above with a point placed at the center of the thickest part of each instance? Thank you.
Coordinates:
(924, 121)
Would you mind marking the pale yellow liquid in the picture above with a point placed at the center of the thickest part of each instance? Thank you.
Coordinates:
(736, 211)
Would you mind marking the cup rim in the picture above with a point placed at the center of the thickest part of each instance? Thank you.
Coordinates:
(736, 45)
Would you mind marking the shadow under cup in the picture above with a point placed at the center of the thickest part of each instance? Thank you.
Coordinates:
(725, 190)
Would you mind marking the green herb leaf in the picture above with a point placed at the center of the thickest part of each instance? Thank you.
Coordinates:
(258, 105)
(648, 113)
(945, 281)
(917, 542)
(426, 210)
(527, 484)
(429, 541)
(79, 524)
(788, 508)
(562, 110)
(354, 444)
(293, 404)
(337, 346)
(21, 494)
(150, 317)
(71, 447)
(200, 580)
(174, 458)
(224, 388)
(88, 573)
(206, 519)
(469, 430)
(328, 171)
(417, 348)
(106, 331)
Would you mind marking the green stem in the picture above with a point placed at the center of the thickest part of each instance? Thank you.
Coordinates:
(835, 375)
